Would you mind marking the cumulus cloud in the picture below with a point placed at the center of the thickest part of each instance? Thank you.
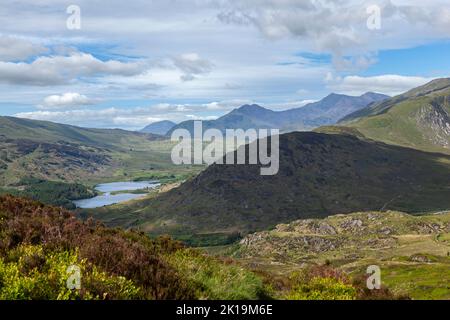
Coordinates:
(203, 118)
(17, 49)
(131, 118)
(340, 27)
(389, 84)
(330, 23)
(85, 117)
(69, 99)
(58, 70)
(134, 122)
(191, 64)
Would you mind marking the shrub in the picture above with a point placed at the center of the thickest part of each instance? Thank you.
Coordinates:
(215, 280)
(326, 283)
(116, 252)
(30, 273)
(322, 289)
(321, 283)
(360, 283)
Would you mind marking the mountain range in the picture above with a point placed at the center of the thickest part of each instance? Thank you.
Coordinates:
(324, 112)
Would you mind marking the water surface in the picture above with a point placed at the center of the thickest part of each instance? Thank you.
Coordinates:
(107, 198)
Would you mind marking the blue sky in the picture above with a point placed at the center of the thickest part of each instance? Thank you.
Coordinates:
(136, 62)
(430, 60)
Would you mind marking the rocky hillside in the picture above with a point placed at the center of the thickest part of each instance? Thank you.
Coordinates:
(353, 236)
(419, 118)
(413, 253)
(20, 158)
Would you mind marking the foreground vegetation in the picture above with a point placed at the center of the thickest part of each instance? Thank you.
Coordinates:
(39, 243)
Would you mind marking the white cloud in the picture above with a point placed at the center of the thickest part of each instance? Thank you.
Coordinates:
(389, 84)
(57, 70)
(340, 27)
(110, 117)
(69, 99)
(132, 118)
(17, 49)
(135, 122)
(191, 64)
(289, 104)
(203, 118)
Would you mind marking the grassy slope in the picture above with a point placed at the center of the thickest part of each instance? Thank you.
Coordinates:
(50, 132)
(413, 252)
(419, 118)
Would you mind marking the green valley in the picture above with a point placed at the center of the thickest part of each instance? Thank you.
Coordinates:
(33, 152)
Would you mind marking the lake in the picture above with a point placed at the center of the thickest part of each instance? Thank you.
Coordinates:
(107, 198)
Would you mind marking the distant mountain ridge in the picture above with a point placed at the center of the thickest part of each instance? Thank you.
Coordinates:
(160, 127)
(324, 112)
(51, 132)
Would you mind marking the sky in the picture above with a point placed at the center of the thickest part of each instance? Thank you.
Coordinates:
(126, 64)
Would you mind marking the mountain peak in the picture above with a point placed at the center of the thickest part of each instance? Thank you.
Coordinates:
(334, 95)
(251, 108)
(333, 98)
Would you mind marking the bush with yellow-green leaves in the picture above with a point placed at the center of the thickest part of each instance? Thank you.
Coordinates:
(27, 272)
(323, 289)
